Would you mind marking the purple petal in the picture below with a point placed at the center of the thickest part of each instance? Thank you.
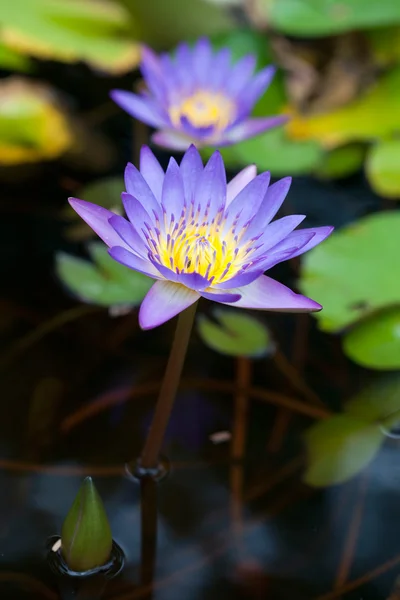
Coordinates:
(136, 214)
(173, 195)
(128, 235)
(267, 294)
(97, 218)
(202, 55)
(132, 261)
(184, 66)
(210, 191)
(246, 204)
(317, 235)
(240, 280)
(239, 182)
(200, 134)
(270, 205)
(216, 296)
(163, 301)
(152, 72)
(240, 75)
(251, 127)
(194, 281)
(256, 88)
(191, 168)
(141, 108)
(171, 139)
(137, 186)
(277, 231)
(166, 272)
(221, 69)
(152, 171)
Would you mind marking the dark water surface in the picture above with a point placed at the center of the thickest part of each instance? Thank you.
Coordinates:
(77, 400)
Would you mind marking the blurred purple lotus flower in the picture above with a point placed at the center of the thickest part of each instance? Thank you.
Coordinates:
(198, 236)
(199, 97)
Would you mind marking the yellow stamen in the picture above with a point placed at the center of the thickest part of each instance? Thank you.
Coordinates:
(204, 109)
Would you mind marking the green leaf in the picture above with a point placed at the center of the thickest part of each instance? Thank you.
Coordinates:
(275, 152)
(106, 283)
(29, 115)
(165, 23)
(341, 162)
(339, 448)
(97, 31)
(382, 168)
(235, 333)
(86, 539)
(375, 343)
(326, 17)
(352, 274)
(245, 41)
(377, 401)
(356, 121)
(13, 61)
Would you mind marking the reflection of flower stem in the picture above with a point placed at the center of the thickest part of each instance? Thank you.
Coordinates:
(148, 519)
(239, 436)
(169, 387)
(294, 377)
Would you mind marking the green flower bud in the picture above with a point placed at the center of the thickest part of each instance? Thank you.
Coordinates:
(86, 538)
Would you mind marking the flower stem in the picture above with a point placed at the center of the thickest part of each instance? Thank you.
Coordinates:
(166, 397)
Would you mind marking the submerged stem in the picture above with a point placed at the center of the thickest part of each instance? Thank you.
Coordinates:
(166, 397)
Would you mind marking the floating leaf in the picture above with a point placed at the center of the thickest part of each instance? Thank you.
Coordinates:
(235, 333)
(352, 274)
(339, 448)
(378, 401)
(165, 23)
(382, 168)
(342, 161)
(106, 283)
(375, 343)
(29, 117)
(385, 44)
(97, 31)
(13, 61)
(324, 17)
(86, 539)
(373, 116)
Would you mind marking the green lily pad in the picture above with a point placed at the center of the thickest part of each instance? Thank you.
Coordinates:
(375, 343)
(352, 274)
(103, 282)
(97, 31)
(378, 401)
(235, 333)
(326, 17)
(13, 61)
(29, 115)
(340, 447)
(341, 162)
(165, 23)
(383, 168)
(358, 121)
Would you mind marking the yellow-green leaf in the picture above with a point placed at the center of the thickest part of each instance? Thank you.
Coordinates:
(29, 117)
(340, 447)
(383, 168)
(98, 31)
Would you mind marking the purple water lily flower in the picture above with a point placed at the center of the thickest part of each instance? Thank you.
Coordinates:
(198, 236)
(199, 97)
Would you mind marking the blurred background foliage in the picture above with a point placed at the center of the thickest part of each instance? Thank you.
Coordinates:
(338, 80)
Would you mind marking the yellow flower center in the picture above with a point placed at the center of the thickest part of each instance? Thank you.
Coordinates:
(204, 109)
(204, 248)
